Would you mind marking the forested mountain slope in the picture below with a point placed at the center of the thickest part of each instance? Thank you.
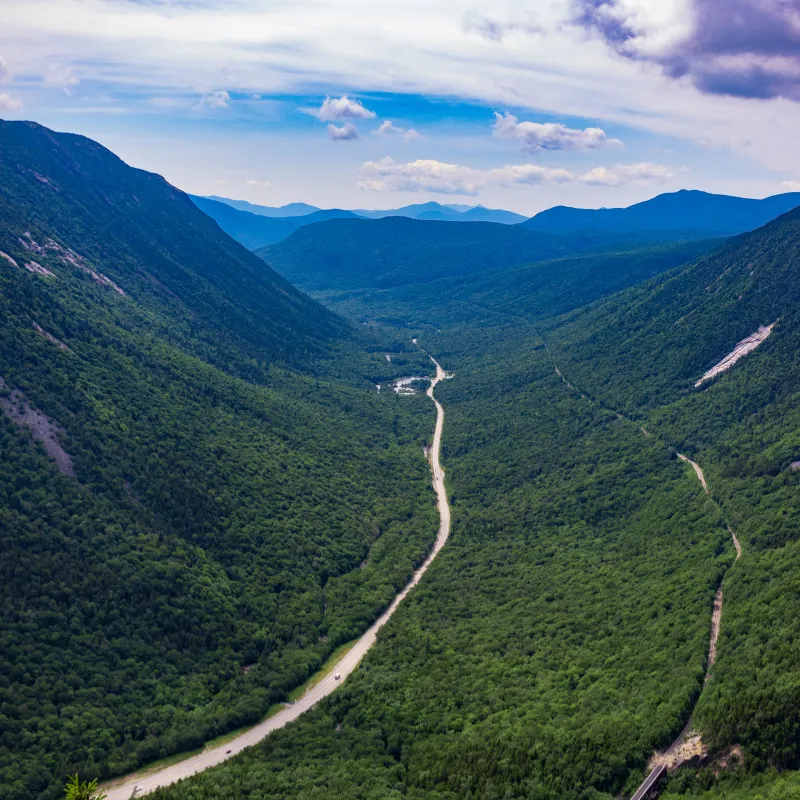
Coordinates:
(644, 352)
(669, 332)
(227, 503)
(709, 214)
(155, 244)
(397, 252)
(532, 291)
(562, 636)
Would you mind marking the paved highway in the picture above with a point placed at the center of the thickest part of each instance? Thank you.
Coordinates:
(138, 786)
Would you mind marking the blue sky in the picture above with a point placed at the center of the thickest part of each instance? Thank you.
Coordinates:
(228, 97)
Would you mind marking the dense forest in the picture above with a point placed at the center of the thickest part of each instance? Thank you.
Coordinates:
(237, 500)
(358, 254)
(485, 684)
(559, 637)
(231, 498)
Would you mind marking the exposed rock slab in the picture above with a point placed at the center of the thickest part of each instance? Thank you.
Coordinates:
(42, 428)
(740, 351)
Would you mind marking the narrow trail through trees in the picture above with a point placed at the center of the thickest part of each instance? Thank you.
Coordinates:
(138, 785)
(674, 755)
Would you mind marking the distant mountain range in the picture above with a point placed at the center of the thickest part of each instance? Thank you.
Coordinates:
(682, 215)
(290, 210)
(258, 230)
(456, 212)
(258, 226)
(446, 213)
(684, 211)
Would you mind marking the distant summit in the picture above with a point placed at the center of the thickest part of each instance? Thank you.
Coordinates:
(290, 210)
(684, 211)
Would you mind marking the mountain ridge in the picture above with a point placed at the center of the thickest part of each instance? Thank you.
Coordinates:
(230, 499)
(685, 210)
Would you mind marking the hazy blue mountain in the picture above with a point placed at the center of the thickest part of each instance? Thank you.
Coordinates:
(290, 210)
(711, 214)
(254, 230)
(457, 212)
(251, 230)
(327, 213)
(454, 212)
(483, 214)
(413, 211)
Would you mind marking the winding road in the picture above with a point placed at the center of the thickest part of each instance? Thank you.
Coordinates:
(142, 784)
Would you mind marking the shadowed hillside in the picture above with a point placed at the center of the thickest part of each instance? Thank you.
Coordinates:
(195, 509)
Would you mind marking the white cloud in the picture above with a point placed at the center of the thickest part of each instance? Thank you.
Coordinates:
(425, 175)
(418, 176)
(791, 186)
(644, 173)
(60, 77)
(538, 136)
(9, 103)
(334, 109)
(5, 72)
(219, 99)
(253, 182)
(388, 128)
(283, 48)
(347, 133)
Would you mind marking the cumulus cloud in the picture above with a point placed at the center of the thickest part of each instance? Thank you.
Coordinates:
(743, 48)
(9, 103)
(5, 72)
(644, 173)
(418, 176)
(791, 186)
(426, 175)
(388, 128)
(335, 109)
(347, 133)
(219, 99)
(537, 136)
(253, 182)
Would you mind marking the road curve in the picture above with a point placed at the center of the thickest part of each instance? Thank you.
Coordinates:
(123, 789)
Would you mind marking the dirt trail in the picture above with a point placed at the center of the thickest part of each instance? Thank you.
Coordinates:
(735, 543)
(716, 619)
(689, 743)
(701, 477)
(124, 788)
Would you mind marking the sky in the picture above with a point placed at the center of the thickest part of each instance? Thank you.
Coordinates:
(345, 103)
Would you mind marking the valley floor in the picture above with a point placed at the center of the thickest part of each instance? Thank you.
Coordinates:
(144, 783)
